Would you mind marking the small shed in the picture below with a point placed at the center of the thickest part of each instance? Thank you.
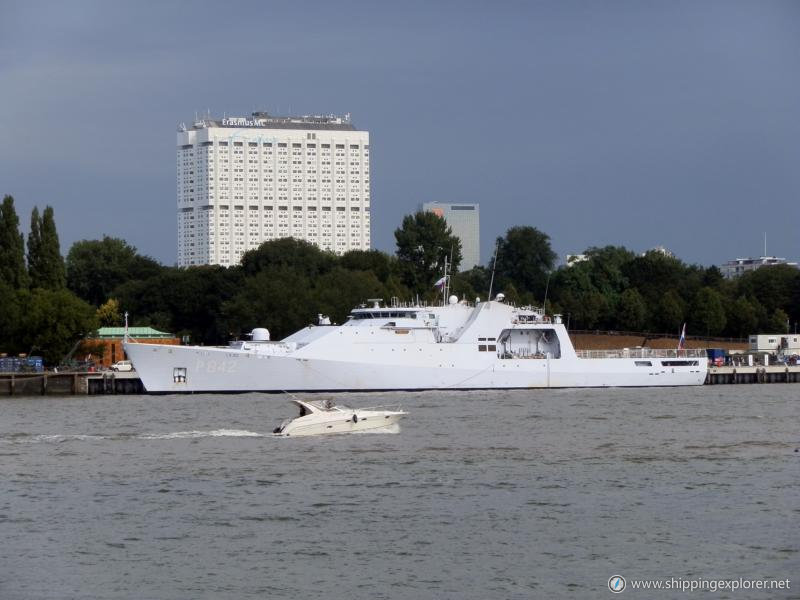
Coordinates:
(775, 343)
(790, 343)
(106, 345)
(765, 342)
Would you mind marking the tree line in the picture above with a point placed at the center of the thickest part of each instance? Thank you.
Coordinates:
(48, 302)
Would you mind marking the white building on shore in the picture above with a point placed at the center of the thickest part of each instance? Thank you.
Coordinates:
(573, 259)
(244, 181)
(740, 266)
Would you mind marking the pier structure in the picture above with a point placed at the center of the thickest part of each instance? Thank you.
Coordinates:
(50, 383)
(755, 374)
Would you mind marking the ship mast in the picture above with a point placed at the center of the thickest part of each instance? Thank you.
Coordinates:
(446, 283)
(494, 266)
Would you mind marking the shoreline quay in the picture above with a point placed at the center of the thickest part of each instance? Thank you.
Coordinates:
(115, 383)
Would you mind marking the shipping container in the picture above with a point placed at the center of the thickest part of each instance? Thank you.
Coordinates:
(14, 364)
(716, 356)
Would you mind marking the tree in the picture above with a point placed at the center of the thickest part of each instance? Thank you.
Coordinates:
(374, 261)
(10, 319)
(337, 292)
(108, 314)
(53, 271)
(12, 247)
(277, 298)
(778, 322)
(574, 292)
(96, 267)
(670, 313)
(524, 257)
(712, 277)
(35, 247)
(472, 284)
(772, 286)
(183, 301)
(654, 274)
(301, 256)
(53, 321)
(742, 316)
(631, 311)
(45, 264)
(607, 268)
(424, 241)
(707, 316)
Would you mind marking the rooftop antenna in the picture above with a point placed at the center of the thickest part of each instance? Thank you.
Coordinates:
(491, 281)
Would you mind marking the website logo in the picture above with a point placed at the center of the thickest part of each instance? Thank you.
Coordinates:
(616, 583)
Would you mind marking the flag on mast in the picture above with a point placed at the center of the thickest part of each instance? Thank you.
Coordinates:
(682, 341)
(440, 284)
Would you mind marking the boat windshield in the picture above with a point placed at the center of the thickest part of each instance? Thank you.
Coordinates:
(324, 405)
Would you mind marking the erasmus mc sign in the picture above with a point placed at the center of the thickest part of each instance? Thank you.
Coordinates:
(243, 122)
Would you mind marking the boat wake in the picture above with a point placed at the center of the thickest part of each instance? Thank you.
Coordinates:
(31, 438)
(178, 435)
(393, 428)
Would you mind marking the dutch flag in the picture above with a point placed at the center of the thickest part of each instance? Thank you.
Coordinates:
(682, 341)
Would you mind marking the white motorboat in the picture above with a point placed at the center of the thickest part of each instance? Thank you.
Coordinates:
(319, 417)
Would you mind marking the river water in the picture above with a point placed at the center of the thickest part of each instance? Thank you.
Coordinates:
(505, 494)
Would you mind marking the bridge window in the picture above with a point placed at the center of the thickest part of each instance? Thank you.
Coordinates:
(179, 374)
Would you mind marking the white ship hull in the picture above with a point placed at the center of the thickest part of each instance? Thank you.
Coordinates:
(489, 346)
(222, 370)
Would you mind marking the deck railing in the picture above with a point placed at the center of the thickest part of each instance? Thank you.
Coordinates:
(642, 353)
(650, 335)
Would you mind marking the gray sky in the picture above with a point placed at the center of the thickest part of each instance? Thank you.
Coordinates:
(632, 123)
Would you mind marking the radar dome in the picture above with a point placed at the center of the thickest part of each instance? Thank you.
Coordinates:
(260, 334)
(500, 297)
(453, 299)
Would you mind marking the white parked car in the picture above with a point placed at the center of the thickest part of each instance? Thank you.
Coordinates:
(123, 365)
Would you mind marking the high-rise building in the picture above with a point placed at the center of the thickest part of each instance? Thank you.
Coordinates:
(464, 220)
(243, 181)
